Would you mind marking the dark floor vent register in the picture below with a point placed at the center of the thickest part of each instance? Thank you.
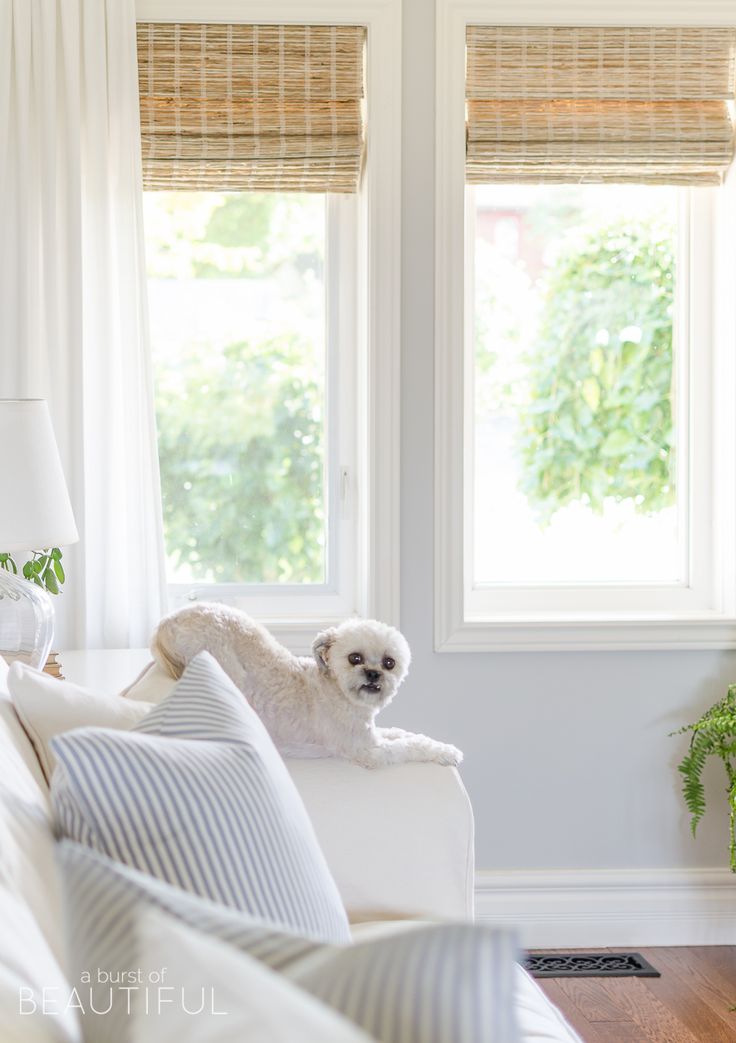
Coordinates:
(589, 965)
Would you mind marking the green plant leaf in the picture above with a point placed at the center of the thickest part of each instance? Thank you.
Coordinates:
(7, 563)
(618, 443)
(592, 392)
(713, 735)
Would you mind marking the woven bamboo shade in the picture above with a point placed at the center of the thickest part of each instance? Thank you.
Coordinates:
(262, 107)
(574, 104)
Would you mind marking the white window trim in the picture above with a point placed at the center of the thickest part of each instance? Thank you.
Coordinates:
(375, 490)
(464, 627)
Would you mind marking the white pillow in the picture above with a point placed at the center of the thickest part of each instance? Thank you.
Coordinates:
(239, 997)
(48, 706)
(3, 676)
(151, 685)
(34, 994)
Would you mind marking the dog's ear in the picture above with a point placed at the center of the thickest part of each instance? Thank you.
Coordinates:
(321, 647)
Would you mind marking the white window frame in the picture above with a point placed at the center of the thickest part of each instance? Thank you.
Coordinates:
(700, 613)
(364, 489)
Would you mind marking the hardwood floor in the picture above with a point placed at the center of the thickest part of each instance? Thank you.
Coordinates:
(688, 1004)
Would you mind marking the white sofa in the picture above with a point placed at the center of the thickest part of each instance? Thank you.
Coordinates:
(399, 842)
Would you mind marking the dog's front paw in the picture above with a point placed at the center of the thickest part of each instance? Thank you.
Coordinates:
(370, 758)
(448, 755)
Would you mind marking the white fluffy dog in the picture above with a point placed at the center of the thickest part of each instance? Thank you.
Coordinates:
(321, 706)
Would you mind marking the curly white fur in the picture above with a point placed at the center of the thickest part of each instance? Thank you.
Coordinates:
(321, 706)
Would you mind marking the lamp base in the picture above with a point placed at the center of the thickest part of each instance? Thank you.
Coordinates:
(26, 620)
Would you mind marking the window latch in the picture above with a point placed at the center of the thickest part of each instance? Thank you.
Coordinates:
(344, 493)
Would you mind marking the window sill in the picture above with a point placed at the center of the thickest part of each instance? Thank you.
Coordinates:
(298, 634)
(706, 631)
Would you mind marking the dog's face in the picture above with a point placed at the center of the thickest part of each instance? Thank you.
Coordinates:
(367, 660)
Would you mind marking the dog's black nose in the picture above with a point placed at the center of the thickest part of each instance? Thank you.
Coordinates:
(372, 676)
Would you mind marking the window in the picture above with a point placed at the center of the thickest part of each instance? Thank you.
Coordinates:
(577, 439)
(584, 442)
(255, 474)
(263, 248)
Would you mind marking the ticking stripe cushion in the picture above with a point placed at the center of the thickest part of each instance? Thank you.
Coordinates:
(198, 796)
(425, 984)
(222, 995)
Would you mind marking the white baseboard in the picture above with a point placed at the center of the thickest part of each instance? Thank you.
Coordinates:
(619, 907)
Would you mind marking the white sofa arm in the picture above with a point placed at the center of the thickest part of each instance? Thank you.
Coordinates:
(399, 840)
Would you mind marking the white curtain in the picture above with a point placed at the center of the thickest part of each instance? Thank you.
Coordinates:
(73, 308)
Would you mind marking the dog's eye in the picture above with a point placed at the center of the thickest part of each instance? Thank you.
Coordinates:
(355, 658)
(388, 663)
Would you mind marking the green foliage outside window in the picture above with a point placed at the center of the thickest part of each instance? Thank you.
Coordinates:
(240, 446)
(597, 421)
(240, 425)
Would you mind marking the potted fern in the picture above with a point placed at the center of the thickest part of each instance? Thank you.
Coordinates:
(713, 735)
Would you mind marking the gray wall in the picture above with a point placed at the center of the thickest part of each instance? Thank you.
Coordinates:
(567, 758)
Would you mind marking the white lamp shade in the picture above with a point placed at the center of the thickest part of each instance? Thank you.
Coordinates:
(35, 511)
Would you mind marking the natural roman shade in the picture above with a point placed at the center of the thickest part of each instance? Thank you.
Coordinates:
(264, 107)
(584, 104)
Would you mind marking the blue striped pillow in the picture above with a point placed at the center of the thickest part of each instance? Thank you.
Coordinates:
(198, 796)
(424, 984)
